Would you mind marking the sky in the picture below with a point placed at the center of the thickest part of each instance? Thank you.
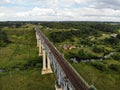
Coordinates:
(60, 10)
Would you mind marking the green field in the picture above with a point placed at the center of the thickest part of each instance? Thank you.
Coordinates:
(107, 80)
(20, 62)
(26, 80)
(92, 41)
(22, 66)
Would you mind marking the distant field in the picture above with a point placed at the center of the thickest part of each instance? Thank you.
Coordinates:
(21, 63)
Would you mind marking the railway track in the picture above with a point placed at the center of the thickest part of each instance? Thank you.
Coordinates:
(77, 83)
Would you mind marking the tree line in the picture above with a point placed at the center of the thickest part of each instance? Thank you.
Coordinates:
(105, 27)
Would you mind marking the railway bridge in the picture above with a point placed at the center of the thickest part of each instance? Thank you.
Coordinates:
(66, 77)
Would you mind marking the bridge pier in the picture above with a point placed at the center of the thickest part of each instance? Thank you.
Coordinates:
(46, 60)
(44, 69)
(40, 48)
(46, 64)
(37, 37)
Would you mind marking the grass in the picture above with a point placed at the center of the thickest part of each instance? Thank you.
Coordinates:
(20, 59)
(102, 80)
(27, 80)
(108, 80)
(104, 36)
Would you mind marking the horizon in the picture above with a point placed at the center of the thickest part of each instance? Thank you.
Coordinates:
(67, 21)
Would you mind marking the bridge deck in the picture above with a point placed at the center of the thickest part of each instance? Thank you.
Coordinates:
(70, 74)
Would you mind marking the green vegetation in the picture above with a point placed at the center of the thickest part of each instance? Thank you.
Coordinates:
(106, 27)
(65, 35)
(96, 50)
(95, 46)
(81, 55)
(26, 80)
(3, 39)
(98, 74)
(115, 67)
(116, 56)
(20, 64)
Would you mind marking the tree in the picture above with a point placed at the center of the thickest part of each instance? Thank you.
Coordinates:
(99, 49)
(115, 67)
(118, 36)
(3, 38)
(116, 56)
(112, 40)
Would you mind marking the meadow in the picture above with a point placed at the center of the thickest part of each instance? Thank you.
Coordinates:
(20, 63)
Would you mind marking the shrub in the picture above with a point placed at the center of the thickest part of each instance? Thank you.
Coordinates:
(85, 55)
(3, 39)
(99, 66)
(115, 67)
(30, 64)
(99, 49)
(112, 40)
(118, 48)
(118, 36)
(116, 56)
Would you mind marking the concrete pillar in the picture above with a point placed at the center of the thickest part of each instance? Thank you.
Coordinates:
(49, 70)
(37, 43)
(46, 70)
(44, 62)
(48, 62)
(44, 59)
(46, 67)
(37, 37)
(36, 34)
(40, 48)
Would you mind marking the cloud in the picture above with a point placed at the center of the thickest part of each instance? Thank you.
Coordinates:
(5, 1)
(52, 10)
(114, 4)
(37, 12)
(2, 14)
(68, 14)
